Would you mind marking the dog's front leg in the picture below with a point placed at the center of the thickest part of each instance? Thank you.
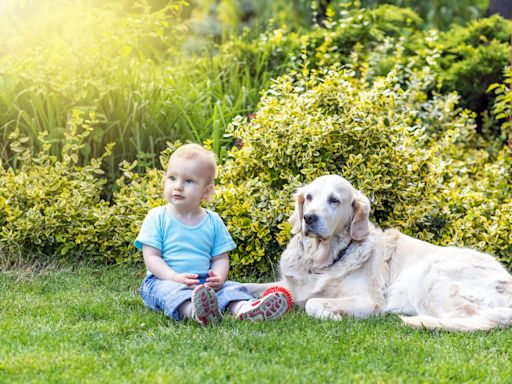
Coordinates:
(335, 309)
(317, 308)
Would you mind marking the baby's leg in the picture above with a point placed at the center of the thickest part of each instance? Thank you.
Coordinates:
(185, 310)
(244, 307)
(164, 295)
(205, 306)
(178, 301)
(231, 295)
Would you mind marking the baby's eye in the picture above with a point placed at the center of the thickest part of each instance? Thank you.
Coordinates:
(189, 181)
(171, 178)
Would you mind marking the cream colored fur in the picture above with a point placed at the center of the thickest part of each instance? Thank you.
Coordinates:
(433, 287)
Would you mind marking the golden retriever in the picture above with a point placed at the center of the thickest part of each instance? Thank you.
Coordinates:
(338, 263)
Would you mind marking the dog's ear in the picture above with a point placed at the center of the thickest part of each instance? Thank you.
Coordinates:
(297, 215)
(360, 227)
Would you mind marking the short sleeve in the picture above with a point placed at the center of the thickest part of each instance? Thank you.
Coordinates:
(150, 231)
(223, 242)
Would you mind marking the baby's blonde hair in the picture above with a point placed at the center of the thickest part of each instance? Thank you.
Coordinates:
(196, 151)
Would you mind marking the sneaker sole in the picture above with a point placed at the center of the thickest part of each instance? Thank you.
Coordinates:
(206, 306)
(269, 307)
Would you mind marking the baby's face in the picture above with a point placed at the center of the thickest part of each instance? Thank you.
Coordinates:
(187, 183)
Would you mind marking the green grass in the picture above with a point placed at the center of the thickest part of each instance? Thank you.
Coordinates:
(88, 324)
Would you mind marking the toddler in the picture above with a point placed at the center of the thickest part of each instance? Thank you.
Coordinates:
(185, 249)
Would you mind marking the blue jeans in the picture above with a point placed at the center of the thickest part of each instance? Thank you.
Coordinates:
(167, 295)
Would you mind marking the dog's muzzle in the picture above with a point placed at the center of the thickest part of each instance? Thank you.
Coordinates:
(311, 226)
(310, 220)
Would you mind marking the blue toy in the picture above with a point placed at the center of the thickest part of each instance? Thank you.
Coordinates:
(202, 279)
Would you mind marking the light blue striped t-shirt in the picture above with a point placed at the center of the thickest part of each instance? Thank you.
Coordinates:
(184, 248)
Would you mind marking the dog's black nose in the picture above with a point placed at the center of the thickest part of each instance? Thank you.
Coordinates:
(310, 218)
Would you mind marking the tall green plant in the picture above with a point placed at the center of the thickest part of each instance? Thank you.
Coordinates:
(97, 59)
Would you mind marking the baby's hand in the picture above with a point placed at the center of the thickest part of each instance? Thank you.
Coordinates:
(190, 279)
(214, 281)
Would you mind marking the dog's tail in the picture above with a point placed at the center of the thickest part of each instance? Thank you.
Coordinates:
(484, 320)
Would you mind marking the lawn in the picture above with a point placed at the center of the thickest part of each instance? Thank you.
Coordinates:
(87, 324)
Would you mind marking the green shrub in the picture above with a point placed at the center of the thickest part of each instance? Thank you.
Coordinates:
(143, 95)
(503, 106)
(50, 206)
(417, 159)
(472, 58)
(147, 93)
(440, 14)
(371, 42)
(465, 59)
(358, 30)
(53, 208)
(376, 136)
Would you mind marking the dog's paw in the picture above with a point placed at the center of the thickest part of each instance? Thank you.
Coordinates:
(316, 309)
(328, 315)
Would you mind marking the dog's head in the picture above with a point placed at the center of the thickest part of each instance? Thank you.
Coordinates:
(328, 206)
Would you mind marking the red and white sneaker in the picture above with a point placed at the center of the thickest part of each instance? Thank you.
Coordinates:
(270, 307)
(205, 305)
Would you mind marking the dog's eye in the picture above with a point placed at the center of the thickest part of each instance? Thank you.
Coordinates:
(333, 200)
(309, 197)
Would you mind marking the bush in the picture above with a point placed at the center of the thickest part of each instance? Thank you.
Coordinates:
(479, 50)
(418, 160)
(373, 41)
(472, 58)
(50, 206)
(53, 208)
(503, 107)
(143, 98)
(376, 136)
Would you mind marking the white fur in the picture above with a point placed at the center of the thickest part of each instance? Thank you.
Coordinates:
(384, 272)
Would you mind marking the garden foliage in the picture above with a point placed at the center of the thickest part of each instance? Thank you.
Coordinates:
(416, 159)
(373, 41)
(370, 97)
(50, 206)
(419, 161)
(145, 92)
(53, 208)
(440, 14)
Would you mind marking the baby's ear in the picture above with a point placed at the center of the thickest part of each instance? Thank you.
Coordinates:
(208, 192)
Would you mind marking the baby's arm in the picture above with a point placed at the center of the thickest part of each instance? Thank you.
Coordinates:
(218, 272)
(158, 267)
